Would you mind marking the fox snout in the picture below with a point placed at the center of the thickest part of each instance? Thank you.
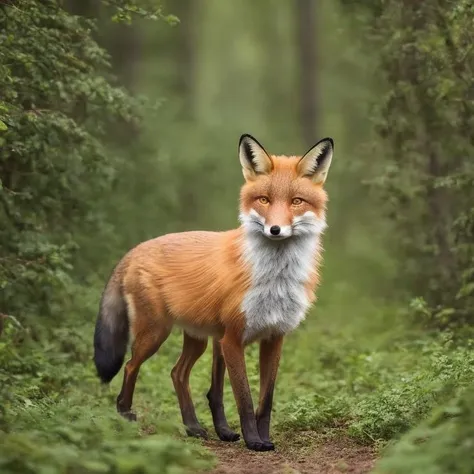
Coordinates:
(277, 232)
(273, 229)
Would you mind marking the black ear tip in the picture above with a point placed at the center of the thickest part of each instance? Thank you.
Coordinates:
(330, 140)
(244, 137)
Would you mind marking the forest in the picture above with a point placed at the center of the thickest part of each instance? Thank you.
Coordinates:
(120, 121)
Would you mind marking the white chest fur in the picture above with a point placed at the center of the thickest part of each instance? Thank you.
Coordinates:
(276, 301)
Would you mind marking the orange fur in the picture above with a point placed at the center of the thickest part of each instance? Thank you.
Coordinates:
(193, 279)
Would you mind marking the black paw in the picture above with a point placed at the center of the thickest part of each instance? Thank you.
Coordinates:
(226, 434)
(128, 415)
(269, 446)
(196, 432)
(260, 445)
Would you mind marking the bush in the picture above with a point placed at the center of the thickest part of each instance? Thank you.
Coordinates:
(378, 395)
(58, 105)
(424, 122)
(56, 418)
(443, 444)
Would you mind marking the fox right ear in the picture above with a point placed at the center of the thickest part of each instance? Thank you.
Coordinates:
(253, 158)
(317, 160)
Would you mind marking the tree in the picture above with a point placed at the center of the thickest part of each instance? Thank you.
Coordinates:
(307, 49)
(424, 122)
(58, 104)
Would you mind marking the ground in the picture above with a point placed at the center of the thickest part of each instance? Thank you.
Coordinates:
(328, 457)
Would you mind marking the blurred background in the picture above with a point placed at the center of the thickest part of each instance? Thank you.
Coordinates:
(119, 122)
(289, 73)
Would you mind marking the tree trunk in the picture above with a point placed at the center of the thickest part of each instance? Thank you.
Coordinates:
(306, 42)
(438, 213)
(87, 8)
(124, 44)
(186, 11)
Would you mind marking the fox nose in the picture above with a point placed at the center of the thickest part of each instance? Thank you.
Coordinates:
(275, 230)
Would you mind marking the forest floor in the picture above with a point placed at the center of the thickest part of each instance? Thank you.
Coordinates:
(330, 457)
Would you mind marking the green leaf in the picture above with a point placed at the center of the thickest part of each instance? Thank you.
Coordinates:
(95, 466)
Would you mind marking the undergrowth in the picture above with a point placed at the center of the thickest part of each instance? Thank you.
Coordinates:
(375, 395)
(334, 378)
(55, 417)
(442, 444)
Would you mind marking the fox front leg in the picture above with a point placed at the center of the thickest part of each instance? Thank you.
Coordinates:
(270, 352)
(233, 351)
(216, 395)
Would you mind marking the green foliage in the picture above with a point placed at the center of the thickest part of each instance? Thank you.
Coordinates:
(376, 395)
(425, 124)
(82, 447)
(364, 382)
(57, 107)
(63, 123)
(425, 180)
(53, 418)
(442, 444)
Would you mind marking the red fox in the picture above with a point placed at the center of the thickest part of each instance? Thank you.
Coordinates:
(253, 283)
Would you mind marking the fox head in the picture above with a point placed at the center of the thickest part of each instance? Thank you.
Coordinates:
(283, 196)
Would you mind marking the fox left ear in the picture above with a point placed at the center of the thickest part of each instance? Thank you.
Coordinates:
(316, 161)
(253, 158)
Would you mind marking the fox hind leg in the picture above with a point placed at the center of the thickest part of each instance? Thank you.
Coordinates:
(215, 396)
(192, 350)
(146, 343)
(150, 328)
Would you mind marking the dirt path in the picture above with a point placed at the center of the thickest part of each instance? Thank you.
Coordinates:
(330, 457)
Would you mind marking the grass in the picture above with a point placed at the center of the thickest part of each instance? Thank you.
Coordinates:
(352, 369)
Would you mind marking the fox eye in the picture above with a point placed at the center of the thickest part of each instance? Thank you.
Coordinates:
(297, 201)
(263, 200)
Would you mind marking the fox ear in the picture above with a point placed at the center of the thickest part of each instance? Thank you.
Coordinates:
(253, 158)
(316, 161)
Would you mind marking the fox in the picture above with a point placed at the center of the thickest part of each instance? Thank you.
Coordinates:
(254, 283)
